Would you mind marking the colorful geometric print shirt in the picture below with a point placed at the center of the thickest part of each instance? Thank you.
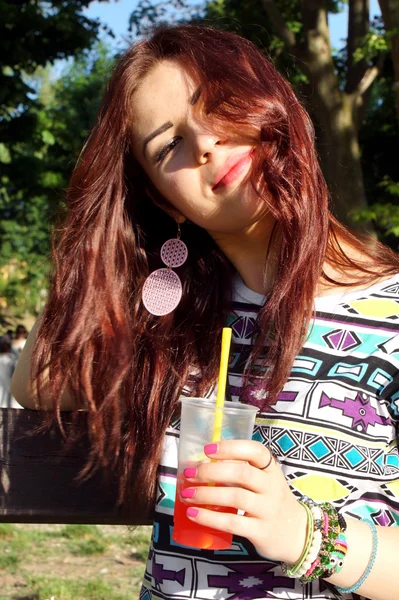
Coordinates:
(334, 429)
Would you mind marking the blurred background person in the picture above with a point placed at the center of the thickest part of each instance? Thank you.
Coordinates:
(8, 361)
(18, 342)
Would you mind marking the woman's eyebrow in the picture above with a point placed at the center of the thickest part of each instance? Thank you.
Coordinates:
(195, 96)
(154, 134)
(168, 124)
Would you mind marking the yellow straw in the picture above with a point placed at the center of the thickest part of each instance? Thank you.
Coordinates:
(224, 363)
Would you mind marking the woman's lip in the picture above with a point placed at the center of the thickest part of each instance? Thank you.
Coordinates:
(236, 169)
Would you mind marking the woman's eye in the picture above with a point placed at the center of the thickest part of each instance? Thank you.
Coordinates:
(166, 149)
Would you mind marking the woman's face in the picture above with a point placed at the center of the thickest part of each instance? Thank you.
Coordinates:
(201, 171)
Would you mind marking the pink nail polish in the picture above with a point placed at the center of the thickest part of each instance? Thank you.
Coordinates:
(190, 473)
(192, 512)
(188, 493)
(211, 448)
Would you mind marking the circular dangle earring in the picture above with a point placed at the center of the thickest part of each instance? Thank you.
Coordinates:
(162, 289)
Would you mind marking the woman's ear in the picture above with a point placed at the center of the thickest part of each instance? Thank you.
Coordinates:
(166, 207)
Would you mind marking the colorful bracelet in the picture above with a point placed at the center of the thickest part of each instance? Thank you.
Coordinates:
(370, 564)
(317, 514)
(325, 546)
(333, 545)
(292, 570)
(309, 549)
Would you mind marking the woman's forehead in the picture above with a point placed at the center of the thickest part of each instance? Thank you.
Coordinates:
(166, 79)
(165, 90)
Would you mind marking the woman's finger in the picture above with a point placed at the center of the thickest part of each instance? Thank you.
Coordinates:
(240, 525)
(216, 496)
(235, 473)
(255, 453)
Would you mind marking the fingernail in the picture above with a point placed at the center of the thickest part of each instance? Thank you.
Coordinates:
(188, 493)
(190, 473)
(211, 448)
(192, 512)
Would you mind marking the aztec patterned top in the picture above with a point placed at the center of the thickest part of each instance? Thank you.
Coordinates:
(334, 429)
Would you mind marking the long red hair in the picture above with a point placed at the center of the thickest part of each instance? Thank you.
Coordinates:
(125, 366)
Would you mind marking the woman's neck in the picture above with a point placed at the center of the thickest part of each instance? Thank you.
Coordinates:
(251, 253)
(254, 254)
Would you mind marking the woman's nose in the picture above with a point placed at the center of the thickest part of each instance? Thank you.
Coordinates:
(204, 146)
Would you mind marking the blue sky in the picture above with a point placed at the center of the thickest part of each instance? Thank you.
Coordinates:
(115, 14)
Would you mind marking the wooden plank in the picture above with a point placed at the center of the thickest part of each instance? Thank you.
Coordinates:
(37, 483)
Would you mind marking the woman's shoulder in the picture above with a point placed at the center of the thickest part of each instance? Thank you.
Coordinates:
(387, 283)
(374, 304)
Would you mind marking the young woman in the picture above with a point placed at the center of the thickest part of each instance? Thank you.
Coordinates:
(199, 137)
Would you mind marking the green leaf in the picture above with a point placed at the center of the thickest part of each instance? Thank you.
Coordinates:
(48, 137)
(5, 156)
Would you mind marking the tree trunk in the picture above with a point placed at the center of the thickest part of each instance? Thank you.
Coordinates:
(336, 114)
(334, 111)
(390, 14)
(340, 159)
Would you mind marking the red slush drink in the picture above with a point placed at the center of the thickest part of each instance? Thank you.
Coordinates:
(199, 417)
(189, 533)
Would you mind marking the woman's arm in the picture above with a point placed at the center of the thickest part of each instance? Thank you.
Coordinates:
(383, 581)
(20, 387)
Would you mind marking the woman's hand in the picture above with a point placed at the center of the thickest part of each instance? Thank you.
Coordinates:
(274, 521)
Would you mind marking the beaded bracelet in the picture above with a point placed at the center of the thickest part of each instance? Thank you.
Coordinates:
(325, 546)
(370, 564)
(312, 546)
(292, 570)
(316, 543)
(333, 547)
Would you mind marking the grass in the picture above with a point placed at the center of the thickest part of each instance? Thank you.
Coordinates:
(79, 531)
(6, 530)
(9, 561)
(71, 562)
(85, 540)
(65, 589)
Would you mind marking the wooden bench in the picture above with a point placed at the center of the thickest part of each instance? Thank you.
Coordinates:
(37, 483)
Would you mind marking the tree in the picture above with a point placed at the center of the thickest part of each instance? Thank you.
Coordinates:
(31, 178)
(390, 13)
(65, 113)
(35, 33)
(379, 135)
(335, 92)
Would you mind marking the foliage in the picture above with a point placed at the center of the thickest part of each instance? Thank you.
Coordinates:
(77, 97)
(46, 31)
(147, 14)
(386, 215)
(64, 113)
(379, 135)
(247, 18)
(34, 34)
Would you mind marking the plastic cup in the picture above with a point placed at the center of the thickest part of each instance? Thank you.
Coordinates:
(196, 430)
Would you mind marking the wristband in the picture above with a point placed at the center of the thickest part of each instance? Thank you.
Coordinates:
(370, 564)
